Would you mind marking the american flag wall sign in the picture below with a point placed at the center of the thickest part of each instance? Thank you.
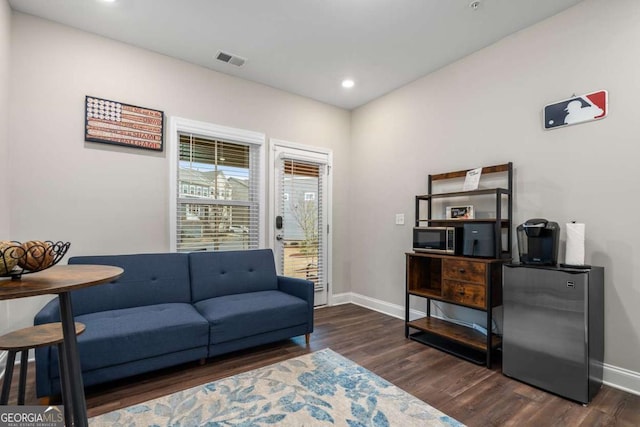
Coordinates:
(113, 122)
(577, 109)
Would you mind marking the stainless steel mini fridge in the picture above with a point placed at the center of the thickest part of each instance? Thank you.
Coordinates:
(553, 328)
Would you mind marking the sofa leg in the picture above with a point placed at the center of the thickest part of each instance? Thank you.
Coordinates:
(202, 361)
(45, 401)
(307, 338)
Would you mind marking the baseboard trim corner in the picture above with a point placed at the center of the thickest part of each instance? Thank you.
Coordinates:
(339, 299)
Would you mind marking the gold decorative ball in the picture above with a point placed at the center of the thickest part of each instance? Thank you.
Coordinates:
(37, 255)
(9, 254)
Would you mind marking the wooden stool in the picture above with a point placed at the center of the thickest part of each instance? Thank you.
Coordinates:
(23, 340)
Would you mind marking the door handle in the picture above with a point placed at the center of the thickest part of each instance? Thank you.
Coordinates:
(279, 237)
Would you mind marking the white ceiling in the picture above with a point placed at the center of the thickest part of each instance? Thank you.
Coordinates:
(307, 47)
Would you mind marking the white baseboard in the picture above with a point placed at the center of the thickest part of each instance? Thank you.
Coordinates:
(385, 307)
(3, 361)
(620, 378)
(339, 299)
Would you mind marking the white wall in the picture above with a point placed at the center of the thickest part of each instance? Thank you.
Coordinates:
(5, 57)
(106, 199)
(486, 109)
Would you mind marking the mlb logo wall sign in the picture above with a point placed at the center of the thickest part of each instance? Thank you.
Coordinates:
(577, 109)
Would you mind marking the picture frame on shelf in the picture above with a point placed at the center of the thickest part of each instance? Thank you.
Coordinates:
(459, 212)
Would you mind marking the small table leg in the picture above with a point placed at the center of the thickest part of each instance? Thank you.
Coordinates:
(8, 376)
(24, 362)
(74, 372)
(63, 366)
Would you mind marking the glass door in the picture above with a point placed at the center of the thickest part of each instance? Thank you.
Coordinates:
(301, 226)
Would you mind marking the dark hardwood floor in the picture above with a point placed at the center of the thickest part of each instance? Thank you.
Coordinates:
(472, 394)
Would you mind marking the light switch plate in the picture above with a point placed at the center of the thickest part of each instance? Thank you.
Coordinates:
(400, 219)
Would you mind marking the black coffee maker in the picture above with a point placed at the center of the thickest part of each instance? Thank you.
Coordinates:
(538, 241)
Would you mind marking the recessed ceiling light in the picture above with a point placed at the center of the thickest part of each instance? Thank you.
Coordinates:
(348, 83)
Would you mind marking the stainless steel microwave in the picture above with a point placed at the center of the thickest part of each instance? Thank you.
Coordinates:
(444, 240)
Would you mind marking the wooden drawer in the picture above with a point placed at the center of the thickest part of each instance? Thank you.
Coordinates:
(464, 270)
(465, 293)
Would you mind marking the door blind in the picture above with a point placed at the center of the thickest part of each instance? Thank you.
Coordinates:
(217, 195)
(302, 252)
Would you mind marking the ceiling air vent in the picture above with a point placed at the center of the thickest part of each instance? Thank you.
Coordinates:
(236, 60)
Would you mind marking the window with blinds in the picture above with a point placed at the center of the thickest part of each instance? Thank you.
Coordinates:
(217, 206)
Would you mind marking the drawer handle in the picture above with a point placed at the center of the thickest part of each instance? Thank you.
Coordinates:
(461, 293)
(461, 270)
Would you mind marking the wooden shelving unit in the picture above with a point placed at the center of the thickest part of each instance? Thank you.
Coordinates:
(470, 282)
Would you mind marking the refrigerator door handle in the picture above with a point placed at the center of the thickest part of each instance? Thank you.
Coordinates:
(566, 270)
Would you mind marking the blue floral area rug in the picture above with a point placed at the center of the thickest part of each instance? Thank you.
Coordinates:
(317, 389)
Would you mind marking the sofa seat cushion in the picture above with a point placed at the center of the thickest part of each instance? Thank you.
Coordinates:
(242, 315)
(120, 336)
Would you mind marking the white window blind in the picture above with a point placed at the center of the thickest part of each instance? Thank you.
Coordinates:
(303, 248)
(218, 194)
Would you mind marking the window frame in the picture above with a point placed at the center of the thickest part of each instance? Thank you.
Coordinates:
(179, 125)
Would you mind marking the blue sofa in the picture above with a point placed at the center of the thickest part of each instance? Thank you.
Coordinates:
(172, 308)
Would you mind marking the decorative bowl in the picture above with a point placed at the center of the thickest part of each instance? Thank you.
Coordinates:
(18, 258)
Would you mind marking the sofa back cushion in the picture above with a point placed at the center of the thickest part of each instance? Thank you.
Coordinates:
(215, 274)
(147, 279)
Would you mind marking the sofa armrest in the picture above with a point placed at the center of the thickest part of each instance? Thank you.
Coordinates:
(297, 287)
(302, 289)
(49, 313)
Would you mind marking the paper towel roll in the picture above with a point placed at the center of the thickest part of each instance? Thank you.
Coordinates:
(575, 244)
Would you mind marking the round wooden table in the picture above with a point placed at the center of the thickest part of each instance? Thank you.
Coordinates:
(61, 280)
